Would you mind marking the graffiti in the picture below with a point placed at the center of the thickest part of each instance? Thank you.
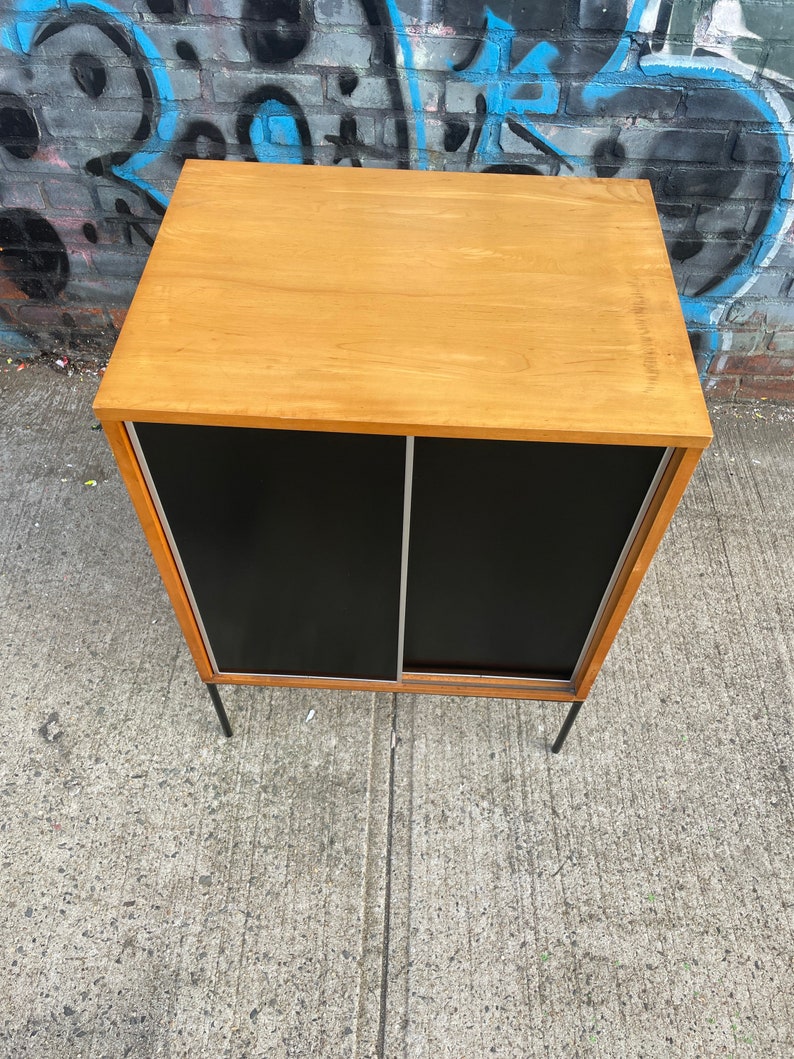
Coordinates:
(272, 124)
(19, 133)
(154, 131)
(503, 94)
(107, 106)
(715, 255)
(33, 253)
(100, 106)
(201, 139)
(275, 31)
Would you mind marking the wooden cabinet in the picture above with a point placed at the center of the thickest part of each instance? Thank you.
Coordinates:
(400, 430)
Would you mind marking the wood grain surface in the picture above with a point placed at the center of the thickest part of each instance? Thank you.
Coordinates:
(438, 304)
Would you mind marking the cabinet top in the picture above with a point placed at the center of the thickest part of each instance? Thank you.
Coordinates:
(404, 302)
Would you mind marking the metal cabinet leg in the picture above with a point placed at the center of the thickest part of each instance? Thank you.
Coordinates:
(216, 702)
(567, 724)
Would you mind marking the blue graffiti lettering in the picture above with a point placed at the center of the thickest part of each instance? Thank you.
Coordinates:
(502, 85)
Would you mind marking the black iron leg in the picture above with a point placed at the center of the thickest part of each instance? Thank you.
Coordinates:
(567, 724)
(216, 702)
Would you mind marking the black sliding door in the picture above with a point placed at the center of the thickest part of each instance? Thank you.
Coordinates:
(512, 547)
(290, 542)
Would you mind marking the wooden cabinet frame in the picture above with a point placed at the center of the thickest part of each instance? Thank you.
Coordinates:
(316, 333)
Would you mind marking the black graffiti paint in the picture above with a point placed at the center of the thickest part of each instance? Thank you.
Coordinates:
(187, 53)
(690, 242)
(201, 139)
(19, 131)
(377, 16)
(348, 82)
(249, 107)
(348, 145)
(558, 160)
(455, 133)
(277, 31)
(704, 242)
(103, 164)
(609, 156)
(132, 223)
(515, 168)
(33, 254)
(543, 17)
(89, 74)
(168, 8)
(274, 31)
(481, 113)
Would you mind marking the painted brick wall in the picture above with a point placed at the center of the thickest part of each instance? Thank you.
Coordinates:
(102, 100)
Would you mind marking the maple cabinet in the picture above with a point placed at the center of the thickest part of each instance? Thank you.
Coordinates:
(401, 430)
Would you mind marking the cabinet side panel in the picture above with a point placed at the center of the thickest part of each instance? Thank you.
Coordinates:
(291, 544)
(512, 548)
(657, 518)
(119, 442)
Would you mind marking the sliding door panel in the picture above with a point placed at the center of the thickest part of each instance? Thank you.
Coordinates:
(290, 542)
(512, 547)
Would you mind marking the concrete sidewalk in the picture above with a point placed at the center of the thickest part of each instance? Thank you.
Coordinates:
(319, 887)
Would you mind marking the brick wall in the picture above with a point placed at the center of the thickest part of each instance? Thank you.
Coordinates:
(101, 101)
